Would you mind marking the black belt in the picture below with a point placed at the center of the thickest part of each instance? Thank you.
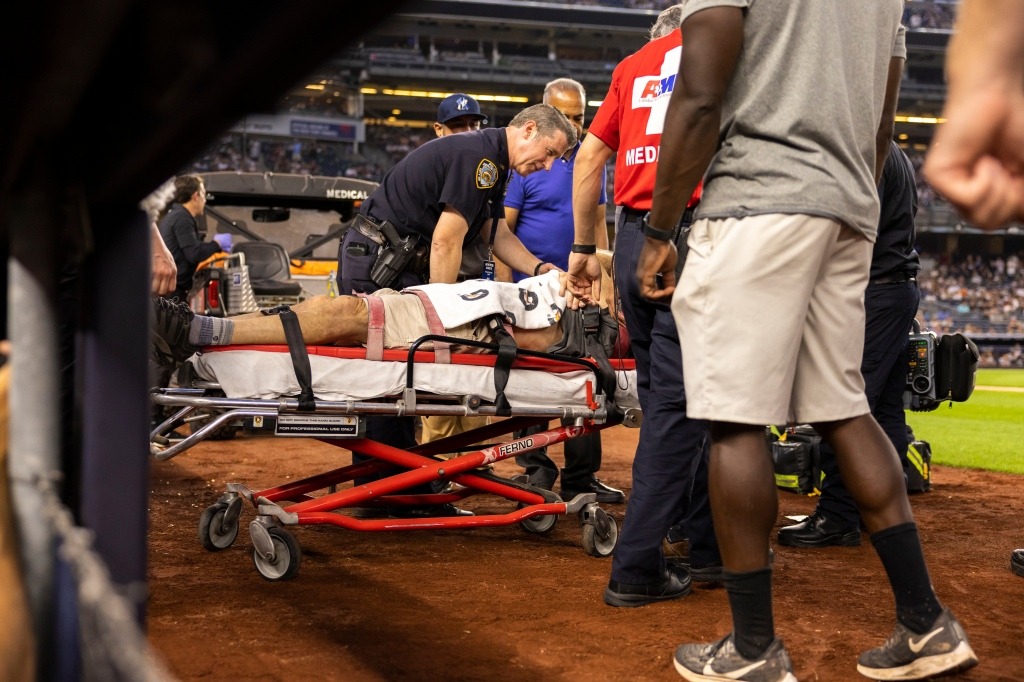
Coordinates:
(894, 279)
(632, 215)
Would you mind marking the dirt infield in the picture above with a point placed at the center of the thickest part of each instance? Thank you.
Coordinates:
(501, 604)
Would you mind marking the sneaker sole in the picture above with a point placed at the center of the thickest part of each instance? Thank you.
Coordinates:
(959, 659)
(688, 674)
(1017, 568)
(848, 540)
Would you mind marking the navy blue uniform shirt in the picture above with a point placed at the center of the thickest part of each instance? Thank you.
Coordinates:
(894, 252)
(467, 171)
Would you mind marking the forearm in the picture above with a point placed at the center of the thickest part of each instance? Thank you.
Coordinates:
(511, 251)
(987, 47)
(445, 261)
(687, 146)
(601, 227)
(197, 252)
(587, 176)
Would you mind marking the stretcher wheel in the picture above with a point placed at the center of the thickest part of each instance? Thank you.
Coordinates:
(285, 562)
(214, 533)
(600, 534)
(539, 525)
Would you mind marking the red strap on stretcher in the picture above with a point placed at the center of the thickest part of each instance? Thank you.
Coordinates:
(375, 327)
(442, 349)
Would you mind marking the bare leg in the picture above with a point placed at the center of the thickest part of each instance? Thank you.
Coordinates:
(870, 469)
(340, 321)
(744, 500)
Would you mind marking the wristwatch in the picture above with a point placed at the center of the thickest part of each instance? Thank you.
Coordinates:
(653, 232)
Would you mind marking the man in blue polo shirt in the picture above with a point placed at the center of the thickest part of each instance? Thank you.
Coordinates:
(538, 209)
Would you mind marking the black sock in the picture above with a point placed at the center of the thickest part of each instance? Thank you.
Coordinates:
(750, 597)
(899, 548)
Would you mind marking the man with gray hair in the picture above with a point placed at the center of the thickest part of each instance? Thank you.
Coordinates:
(670, 465)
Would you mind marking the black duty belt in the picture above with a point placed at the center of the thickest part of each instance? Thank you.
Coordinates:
(898, 278)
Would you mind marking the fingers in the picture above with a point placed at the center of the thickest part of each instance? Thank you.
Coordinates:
(985, 193)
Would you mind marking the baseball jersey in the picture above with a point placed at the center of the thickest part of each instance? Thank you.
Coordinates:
(801, 113)
(467, 171)
(632, 115)
(544, 201)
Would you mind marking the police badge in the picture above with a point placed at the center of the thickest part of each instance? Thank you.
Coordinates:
(486, 174)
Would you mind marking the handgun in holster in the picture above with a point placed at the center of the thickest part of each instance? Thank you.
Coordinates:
(394, 255)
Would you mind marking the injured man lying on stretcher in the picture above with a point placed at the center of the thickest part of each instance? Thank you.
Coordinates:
(532, 310)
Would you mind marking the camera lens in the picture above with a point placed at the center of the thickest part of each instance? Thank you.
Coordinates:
(922, 384)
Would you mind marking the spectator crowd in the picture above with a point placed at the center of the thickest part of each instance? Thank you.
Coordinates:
(979, 296)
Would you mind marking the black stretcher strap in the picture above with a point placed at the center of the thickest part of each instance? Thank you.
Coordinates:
(507, 350)
(592, 327)
(300, 356)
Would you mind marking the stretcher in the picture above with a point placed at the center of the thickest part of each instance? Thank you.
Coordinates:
(269, 390)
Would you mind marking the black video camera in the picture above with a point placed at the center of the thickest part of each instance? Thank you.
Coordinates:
(941, 369)
(920, 395)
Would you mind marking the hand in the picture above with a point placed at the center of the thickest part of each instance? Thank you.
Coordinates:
(165, 272)
(582, 282)
(657, 261)
(976, 159)
(223, 240)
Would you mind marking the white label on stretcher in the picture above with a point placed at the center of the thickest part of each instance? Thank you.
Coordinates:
(323, 425)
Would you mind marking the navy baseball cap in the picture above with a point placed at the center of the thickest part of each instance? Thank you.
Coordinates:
(454, 106)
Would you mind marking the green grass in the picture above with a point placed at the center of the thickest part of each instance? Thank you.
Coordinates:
(986, 432)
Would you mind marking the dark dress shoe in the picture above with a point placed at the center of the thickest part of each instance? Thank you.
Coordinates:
(605, 493)
(428, 512)
(818, 530)
(1017, 561)
(674, 584)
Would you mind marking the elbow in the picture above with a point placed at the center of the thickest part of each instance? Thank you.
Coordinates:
(704, 107)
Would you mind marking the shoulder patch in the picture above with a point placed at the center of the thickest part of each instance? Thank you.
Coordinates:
(486, 174)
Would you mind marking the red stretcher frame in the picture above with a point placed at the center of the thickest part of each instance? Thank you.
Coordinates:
(464, 473)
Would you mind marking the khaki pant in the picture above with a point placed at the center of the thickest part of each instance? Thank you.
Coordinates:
(443, 426)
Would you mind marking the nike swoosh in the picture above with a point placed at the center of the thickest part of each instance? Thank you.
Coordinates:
(735, 674)
(919, 644)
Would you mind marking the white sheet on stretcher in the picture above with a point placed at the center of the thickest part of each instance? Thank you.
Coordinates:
(270, 375)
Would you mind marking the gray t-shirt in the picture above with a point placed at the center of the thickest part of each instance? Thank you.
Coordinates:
(800, 117)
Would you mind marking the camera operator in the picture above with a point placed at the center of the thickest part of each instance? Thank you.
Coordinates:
(890, 304)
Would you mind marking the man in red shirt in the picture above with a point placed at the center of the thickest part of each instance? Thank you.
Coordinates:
(670, 466)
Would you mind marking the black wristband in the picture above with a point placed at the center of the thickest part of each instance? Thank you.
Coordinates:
(587, 249)
(536, 270)
(653, 232)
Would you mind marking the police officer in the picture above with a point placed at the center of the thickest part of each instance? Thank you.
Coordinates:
(458, 113)
(670, 468)
(431, 204)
